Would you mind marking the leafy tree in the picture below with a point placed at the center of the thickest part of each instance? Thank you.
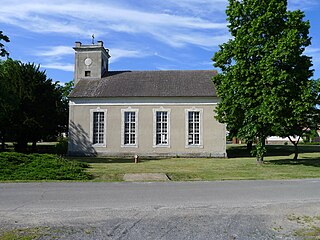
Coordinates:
(301, 115)
(64, 113)
(265, 85)
(10, 88)
(5, 38)
(32, 103)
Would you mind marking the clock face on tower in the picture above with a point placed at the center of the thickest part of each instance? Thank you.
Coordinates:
(88, 61)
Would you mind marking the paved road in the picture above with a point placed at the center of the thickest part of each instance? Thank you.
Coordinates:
(166, 210)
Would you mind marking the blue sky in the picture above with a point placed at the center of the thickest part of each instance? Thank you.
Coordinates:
(141, 34)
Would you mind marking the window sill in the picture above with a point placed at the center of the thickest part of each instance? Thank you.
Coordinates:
(129, 146)
(99, 145)
(194, 146)
(161, 146)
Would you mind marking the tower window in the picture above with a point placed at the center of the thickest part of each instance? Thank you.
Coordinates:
(87, 73)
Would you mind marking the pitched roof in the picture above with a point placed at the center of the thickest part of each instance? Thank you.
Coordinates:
(189, 83)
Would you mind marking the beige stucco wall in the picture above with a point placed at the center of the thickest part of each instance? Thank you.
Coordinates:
(213, 133)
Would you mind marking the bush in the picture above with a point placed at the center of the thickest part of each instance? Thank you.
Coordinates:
(18, 166)
(61, 148)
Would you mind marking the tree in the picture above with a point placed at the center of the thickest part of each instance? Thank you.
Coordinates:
(9, 102)
(32, 103)
(301, 115)
(64, 113)
(5, 38)
(265, 79)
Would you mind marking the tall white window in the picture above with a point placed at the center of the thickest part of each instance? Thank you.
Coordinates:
(98, 126)
(194, 127)
(161, 128)
(129, 128)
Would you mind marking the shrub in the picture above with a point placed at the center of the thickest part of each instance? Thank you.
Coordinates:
(18, 166)
(61, 148)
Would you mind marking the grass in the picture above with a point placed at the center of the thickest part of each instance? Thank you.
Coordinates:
(22, 234)
(239, 166)
(43, 232)
(18, 166)
(309, 226)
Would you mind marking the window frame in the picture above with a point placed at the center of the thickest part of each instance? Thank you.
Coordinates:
(200, 145)
(168, 111)
(92, 111)
(123, 111)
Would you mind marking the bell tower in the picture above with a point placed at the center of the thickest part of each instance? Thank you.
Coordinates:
(91, 61)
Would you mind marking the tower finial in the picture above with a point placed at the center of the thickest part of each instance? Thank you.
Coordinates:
(92, 39)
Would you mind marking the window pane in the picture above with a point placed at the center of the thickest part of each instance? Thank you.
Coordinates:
(196, 118)
(164, 127)
(158, 130)
(164, 117)
(164, 139)
(132, 138)
(126, 117)
(133, 116)
(158, 116)
(126, 139)
(158, 139)
(196, 139)
(126, 127)
(190, 127)
(196, 127)
(133, 127)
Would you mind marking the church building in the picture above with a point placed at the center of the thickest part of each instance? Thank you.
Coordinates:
(144, 113)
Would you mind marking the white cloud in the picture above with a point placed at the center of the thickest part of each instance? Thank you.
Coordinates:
(77, 18)
(200, 39)
(59, 66)
(302, 4)
(311, 50)
(198, 7)
(56, 51)
(117, 54)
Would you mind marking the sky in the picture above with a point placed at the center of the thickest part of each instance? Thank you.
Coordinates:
(140, 34)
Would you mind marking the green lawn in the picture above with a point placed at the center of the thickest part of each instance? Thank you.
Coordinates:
(278, 165)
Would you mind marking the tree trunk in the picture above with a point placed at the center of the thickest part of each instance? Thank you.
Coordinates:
(21, 146)
(34, 146)
(3, 144)
(249, 146)
(260, 150)
(296, 150)
(259, 160)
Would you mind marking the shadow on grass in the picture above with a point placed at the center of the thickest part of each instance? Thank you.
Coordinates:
(308, 161)
(272, 150)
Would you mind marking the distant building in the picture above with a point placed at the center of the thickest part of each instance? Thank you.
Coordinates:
(148, 113)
